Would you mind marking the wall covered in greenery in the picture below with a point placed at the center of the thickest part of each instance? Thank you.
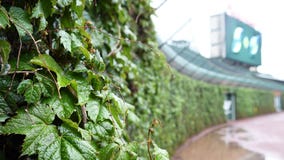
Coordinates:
(84, 79)
(252, 102)
(185, 106)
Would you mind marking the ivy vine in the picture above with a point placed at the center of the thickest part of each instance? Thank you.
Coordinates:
(66, 67)
(83, 79)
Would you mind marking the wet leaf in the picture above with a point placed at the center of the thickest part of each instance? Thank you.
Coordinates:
(160, 154)
(76, 42)
(114, 151)
(42, 10)
(63, 107)
(4, 110)
(20, 19)
(80, 68)
(93, 108)
(5, 49)
(24, 85)
(108, 152)
(65, 40)
(78, 6)
(36, 135)
(118, 108)
(132, 117)
(27, 119)
(102, 129)
(82, 87)
(47, 85)
(48, 62)
(4, 19)
(33, 93)
(83, 51)
(44, 139)
(64, 3)
(43, 23)
(97, 81)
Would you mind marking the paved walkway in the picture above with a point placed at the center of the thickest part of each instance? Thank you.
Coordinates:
(256, 138)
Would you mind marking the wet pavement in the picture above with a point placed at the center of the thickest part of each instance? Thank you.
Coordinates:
(259, 138)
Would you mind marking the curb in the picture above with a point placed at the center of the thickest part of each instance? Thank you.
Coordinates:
(209, 130)
(196, 137)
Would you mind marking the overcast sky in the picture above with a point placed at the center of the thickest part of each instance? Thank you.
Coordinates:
(267, 16)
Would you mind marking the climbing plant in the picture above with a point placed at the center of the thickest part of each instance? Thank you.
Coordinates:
(66, 67)
(84, 79)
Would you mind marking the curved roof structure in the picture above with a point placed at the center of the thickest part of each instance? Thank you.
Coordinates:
(216, 70)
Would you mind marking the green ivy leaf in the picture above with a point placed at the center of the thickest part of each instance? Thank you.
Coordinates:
(117, 108)
(108, 152)
(82, 87)
(47, 85)
(78, 47)
(114, 151)
(102, 130)
(37, 10)
(4, 110)
(93, 108)
(103, 114)
(36, 135)
(48, 62)
(85, 134)
(76, 42)
(42, 23)
(44, 139)
(82, 51)
(160, 154)
(4, 19)
(115, 113)
(3, 116)
(78, 6)
(66, 147)
(24, 85)
(20, 19)
(74, 126)
(65, 39)
(5, 49)
(99, 62)
(42, 10)
(97, 81)
(80, 68)
(33, 93)
(132, 117)
(71, 145)
(13, 99)
(27, 119)
(64, 3)
(63, 107)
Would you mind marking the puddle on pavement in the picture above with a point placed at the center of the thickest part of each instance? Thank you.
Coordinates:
(219, 145)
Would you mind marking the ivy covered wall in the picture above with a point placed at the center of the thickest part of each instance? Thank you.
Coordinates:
(252, 102)
(84, 79)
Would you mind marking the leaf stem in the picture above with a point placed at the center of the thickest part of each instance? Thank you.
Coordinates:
(38, 51)
(84, 114)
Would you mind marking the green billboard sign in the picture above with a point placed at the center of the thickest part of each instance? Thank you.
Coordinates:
(243, 43)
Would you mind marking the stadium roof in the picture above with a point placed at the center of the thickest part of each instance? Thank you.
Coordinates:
(216, 70)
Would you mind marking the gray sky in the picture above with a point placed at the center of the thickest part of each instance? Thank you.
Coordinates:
(267, 16)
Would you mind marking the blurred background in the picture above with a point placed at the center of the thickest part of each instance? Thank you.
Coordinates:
(190, 20)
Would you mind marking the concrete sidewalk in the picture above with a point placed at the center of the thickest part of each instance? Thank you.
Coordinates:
(256, 138)
(266, 133)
